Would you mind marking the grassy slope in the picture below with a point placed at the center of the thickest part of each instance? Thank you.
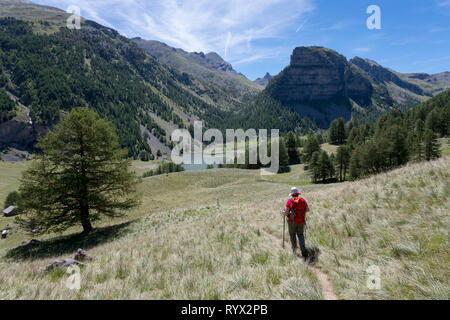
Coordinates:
(180, 244)
(398, 221)
(184, 247)
(9, 174)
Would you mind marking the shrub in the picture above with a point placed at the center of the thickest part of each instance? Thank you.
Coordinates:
(163, 168)
(12, 199)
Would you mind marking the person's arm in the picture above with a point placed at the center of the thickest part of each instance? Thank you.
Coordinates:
(287, 210)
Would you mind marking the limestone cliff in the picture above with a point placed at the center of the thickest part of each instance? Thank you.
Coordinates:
(319, 83)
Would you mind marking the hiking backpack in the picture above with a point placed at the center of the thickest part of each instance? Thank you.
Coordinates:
(298, 209)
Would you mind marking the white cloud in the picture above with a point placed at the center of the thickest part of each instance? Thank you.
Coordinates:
(228, 27)
(362, 49)
(444, 3)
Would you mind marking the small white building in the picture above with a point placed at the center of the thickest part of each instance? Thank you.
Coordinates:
(10, 211)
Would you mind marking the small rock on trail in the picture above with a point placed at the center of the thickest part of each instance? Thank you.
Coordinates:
(63, 263)
(82, 255)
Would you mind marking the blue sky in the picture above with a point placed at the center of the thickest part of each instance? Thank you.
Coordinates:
(257, 36)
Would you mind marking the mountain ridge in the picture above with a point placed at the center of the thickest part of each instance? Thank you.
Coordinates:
(319, 83)
(208, 75)
(49, 83)
(171, 87)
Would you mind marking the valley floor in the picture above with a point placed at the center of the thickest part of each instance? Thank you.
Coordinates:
(215, 234)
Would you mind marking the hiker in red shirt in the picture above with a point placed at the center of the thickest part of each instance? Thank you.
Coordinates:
(296, 209)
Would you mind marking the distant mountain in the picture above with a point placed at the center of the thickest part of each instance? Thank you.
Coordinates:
(264, 81)
(322, 85)
(48, 69)
(208, 75)
(22, 9)
(148, 89)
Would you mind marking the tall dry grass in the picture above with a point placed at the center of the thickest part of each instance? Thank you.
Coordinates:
(398, 221)
(209, 253)
(185, 246)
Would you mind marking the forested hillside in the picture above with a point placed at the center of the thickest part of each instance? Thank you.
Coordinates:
(320, 85)
(396, 138)
(208, 75)
(7, 106)
(51, 69)
(53, 72)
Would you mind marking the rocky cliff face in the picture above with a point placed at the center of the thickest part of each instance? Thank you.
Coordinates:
(319, 84)
(20, 135)
(381, 74)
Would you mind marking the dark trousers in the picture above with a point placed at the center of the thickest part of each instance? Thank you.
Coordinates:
(296, 230)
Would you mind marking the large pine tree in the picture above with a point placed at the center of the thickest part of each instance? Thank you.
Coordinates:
(80, 175)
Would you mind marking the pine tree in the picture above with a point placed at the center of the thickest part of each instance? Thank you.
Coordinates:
(313, 167)
(431, 145)
(433, 121)
(332, 169)
(337, 133)
(413, 145)
(284, 157)
(355, 169)
(340, 131)
(342, 161)
(311, 145)
(419, 127)
(324, 166)
(81, 175)
(144, 156)
(354, 137)
(333, 132)
(291, 145)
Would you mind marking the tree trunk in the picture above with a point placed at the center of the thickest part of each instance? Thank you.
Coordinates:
(85, 222)
(84, 206)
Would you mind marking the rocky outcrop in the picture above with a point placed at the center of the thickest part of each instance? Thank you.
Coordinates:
(357, 87)
(20, 134)
(63, 264)
(265, 80)
(319, 83)
(82, 255)
(17, 134)
(380, 74)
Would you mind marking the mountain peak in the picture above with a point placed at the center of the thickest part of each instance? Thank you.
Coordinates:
(357, 60)
(315, 56)
(265, 80)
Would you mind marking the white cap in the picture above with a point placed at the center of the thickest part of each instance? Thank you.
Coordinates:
(294, 190)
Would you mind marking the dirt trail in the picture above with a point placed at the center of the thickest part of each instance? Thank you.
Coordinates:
(328, 292)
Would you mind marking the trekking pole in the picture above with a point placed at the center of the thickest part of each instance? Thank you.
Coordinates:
(284, 227)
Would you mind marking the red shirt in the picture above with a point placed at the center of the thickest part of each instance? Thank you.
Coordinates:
(302, 206)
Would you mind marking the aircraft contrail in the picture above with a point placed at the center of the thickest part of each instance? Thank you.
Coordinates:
(301, 27)
(227, 44)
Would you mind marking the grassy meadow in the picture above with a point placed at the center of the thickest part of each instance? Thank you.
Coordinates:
(216, 234)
